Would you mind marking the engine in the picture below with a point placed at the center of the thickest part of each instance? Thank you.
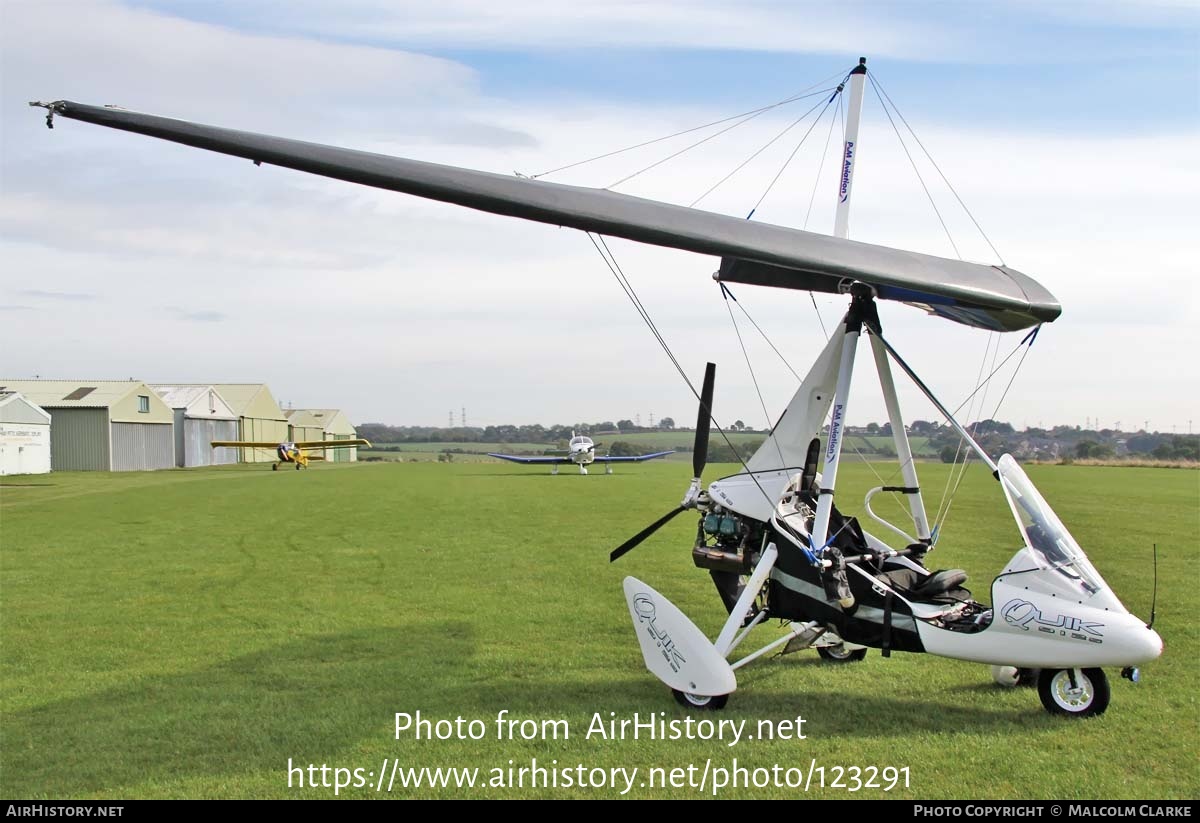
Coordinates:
(728, 545)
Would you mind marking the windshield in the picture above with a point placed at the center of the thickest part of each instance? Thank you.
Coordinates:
(1052, 546)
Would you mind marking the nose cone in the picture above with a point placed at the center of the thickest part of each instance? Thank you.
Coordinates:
(1137, 644)
(1151, 644)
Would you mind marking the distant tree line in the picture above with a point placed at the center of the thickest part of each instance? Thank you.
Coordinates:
(529, 433)
(996, 437)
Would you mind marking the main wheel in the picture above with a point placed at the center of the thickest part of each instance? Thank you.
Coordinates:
(840, 654)
(274, 467)
(1012, 676)
(700, 702)
(1087, 696)
(298, 467)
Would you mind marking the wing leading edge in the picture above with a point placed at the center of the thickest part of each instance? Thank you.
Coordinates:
(635, 458)
(993, 297)
(332, 444)
(306, 444)
(516, 459)
(243, 444)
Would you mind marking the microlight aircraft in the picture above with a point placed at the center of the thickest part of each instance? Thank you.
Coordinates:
(770, 536)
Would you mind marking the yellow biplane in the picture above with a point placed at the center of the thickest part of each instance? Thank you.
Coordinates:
(293, 452)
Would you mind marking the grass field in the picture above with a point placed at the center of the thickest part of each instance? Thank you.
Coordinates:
(184, 633)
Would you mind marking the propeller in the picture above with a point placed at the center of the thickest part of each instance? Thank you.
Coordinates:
(699, 458)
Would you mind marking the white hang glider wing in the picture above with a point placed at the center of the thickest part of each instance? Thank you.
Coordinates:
(991, 297)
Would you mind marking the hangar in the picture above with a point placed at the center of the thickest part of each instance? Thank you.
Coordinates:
(201, 416)
(24, 436)
(103, 425)
(303, 427)
(259, 418)
(333, 424)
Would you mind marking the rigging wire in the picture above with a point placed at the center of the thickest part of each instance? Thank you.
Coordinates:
(858, 452)
(921, 179)
(1027, 344)
(613, 266)
(836, 95)
(975, 426)
(839, 117)
(952, 483)
(766, 146)
(764, 334)
(1017, 370)
(793, 98)
(725, 293)
(833, 121)
(1028, 338)
(979, 228)
(699, 142)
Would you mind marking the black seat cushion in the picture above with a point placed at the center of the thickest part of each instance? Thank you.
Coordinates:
(944, 586)
(940, 582)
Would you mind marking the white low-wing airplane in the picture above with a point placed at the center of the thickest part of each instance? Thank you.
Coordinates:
(582, 452)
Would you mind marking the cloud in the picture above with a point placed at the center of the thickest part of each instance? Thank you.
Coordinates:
(982, 31)
(409, 307)
(56, 295)
(194, 316)
(757, 25)
(310, 86)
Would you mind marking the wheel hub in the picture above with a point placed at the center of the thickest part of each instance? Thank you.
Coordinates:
(1073, 696)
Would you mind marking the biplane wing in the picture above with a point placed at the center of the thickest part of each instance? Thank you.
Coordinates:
(991, 297)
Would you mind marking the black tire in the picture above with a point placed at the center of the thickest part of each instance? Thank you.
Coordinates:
(298, 467)
(700, 703)
(1013, 677)
(1088, 699)
(274, 467)
(840, 654)
(1028, 678)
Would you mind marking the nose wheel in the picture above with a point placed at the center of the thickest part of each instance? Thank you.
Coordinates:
(1074, 692)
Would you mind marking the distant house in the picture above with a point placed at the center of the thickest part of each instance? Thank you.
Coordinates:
(24, 436)
(259, 418)
(103, 425)
(324, 424)
(201, 416)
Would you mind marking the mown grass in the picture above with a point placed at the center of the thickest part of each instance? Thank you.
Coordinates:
(185, 633)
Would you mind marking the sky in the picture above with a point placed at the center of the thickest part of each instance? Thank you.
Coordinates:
(1069, 129)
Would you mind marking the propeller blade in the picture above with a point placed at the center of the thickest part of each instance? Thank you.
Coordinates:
(632, 542)
(704, 421)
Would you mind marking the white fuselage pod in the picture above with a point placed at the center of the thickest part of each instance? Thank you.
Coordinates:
(1036, 624)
